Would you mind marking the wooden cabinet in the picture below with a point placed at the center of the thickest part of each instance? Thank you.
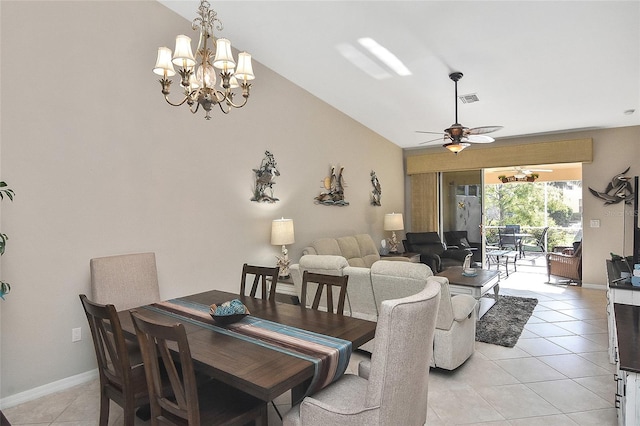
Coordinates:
(623, 315)
(627, 318)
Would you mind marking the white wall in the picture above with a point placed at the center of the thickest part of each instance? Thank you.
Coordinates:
(101, 165)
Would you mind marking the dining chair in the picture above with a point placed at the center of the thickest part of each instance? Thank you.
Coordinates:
(323, 281)
(261, 274)
(189, 404)
(392, 388)
(126, 281)
(121, 382)
(260, 278)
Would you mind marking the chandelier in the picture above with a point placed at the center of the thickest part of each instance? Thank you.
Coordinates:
(198, 75)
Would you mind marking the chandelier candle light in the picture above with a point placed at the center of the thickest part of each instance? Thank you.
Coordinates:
(393, 222)
(282, 234)
(198, 74)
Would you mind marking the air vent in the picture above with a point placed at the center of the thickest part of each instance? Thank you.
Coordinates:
(469, 99)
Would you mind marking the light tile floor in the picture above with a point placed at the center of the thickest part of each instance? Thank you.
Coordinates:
(557, 374)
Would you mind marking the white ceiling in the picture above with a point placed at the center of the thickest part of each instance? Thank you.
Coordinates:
(536, 66)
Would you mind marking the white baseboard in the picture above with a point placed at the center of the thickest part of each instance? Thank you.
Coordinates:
(594, 286)
(49, 388)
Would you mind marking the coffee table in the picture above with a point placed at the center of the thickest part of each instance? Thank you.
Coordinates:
(476, 286)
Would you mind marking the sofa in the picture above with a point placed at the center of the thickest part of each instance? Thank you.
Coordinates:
(368, 286)
(351, 255)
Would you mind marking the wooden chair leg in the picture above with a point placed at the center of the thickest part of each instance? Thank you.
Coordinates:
(104, 410)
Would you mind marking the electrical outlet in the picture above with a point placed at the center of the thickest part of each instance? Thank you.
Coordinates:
(76, 334)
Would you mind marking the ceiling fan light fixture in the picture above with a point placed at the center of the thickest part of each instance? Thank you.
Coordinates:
(456, 147)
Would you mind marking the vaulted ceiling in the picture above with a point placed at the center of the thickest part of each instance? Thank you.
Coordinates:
(535, 66)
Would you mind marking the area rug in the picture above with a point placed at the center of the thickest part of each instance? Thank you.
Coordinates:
(503, 323)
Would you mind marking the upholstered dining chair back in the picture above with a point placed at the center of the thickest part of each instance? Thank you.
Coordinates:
(392, 388)
(119, 381)
(186, 404)
(398, 379)
(126, 281)
(260, 275)
(325, 283)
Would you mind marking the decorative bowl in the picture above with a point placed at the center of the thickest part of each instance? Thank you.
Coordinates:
(228, 312)
(227, 319)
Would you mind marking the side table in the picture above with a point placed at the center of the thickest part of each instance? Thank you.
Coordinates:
(286, 292)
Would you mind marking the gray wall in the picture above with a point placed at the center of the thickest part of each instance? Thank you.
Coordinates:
(101, 165)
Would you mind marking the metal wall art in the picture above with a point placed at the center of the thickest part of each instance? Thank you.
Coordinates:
(619, 189)
(263, 191)
(334, 190)
(377, 190)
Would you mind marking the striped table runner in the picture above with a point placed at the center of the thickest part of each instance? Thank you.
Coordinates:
(329, 355)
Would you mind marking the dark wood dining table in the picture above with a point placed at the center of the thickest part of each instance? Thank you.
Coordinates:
(260, 371)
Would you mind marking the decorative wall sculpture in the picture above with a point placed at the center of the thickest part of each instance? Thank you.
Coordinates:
(334, 189)
(377, 190)
(263, 190)
(619, 189)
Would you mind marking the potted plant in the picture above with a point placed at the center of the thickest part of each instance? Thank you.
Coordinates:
(5, 288)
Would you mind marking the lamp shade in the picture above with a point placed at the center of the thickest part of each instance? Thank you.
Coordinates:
(456, 147)
(245, 70)
(224, 58)
(163, 62)
(393, 222)
(282, 232)
(183, 56)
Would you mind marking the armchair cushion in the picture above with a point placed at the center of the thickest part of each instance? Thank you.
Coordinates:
(463, 306)
(324, 264)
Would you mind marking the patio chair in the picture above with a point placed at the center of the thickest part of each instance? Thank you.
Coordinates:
(567, 266)
(534, 245)
(508, 240)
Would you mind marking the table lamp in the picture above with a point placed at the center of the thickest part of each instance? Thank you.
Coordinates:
(393, 222)
(281, 235)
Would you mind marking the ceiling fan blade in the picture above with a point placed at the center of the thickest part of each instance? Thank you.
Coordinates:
(431, 133)
(437, 141)
(540, 170)
(483, 129)
(478, 139)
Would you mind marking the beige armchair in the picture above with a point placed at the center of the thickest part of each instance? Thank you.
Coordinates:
(391, 393)
(455, 334)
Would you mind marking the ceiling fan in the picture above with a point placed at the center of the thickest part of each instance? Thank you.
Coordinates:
(522, 172)
(457, 137)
